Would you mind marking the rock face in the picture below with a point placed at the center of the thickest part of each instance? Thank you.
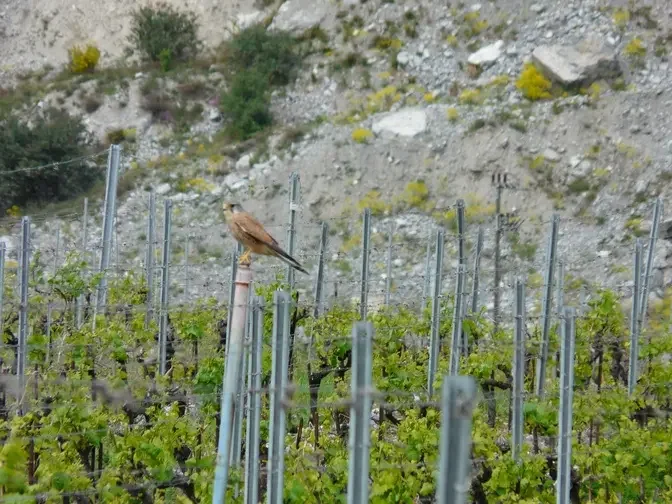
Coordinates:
(577, 65)
(299, 15)
(407, 123)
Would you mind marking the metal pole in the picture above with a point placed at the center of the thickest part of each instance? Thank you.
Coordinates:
(518, 372)
(108, 221)
(457, 322)
(546, 305)
(564, 449)
(254, 405)
(85, 241)
(560, 289)
(436, 314)
(460, 233)
(291, 231)
(230, 382)
(388, 276)
(366, 244)
(635, 319)
(239, 408)
(428, 273)
(279, 367)
(653, 236)
(232, 291)
(477, 271)
(186, 268)
(360, 411)
(319, 283)
(165, 284)
(23, 309)
(458, 399)
(3, 251)
(149, 260)
(498, 256)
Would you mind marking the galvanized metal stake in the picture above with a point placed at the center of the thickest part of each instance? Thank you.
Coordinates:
(436, 314)
(108, 222)
(366, 250)
(187, 246)
(79, 302)
(653, 236)
(165, 284)
(458, 399)
(477, 272)
(457, 322)
(253, 434)
(22, 352)
(319, 283)
(149, 260)
(230, 382)
(360, 412)
(518, 373)
(566, 407)
(388, 275)
(239, 411)
(3, 251)
(635, 319)
(291, 231)
(546, 305)
(279, 370)
(237, 250)
(428, 273)
(560, 289)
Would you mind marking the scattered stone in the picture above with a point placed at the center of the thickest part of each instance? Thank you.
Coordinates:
(245, 20)
(234, 182)
(215, 115)
(407, 123)
(403, 58)
(550, 155)
(537, 8)
(243, 163)
(577, 65)
(163, 189)
(487, 55)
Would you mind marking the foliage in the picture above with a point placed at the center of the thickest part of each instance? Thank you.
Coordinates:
(163, 34)
(533, 84)
(258, 60)
(53, 138)
(99, 398)
(84, 60)
(452, 114)
(361, 135)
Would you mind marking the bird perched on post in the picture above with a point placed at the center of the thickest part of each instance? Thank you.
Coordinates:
(250, 233)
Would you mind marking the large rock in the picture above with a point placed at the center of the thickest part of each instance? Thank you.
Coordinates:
(299, 15)
(407, 122)
(486, 55)
(577, 65)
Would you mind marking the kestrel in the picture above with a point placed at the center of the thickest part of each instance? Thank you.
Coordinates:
(250, 233)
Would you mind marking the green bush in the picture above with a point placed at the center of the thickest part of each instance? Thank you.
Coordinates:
(55, 138)
(257, 60)
(273, 54)
(164, 34)
(247, 104)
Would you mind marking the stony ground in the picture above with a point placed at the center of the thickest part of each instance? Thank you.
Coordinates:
(598, 158)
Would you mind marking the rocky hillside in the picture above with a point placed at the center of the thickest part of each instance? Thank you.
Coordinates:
(399, 106)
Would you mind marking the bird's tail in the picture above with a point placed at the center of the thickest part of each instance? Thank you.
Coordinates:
(288, 259)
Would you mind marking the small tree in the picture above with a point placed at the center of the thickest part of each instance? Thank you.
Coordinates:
(54, 138)
(163, 34)
(247, 104)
